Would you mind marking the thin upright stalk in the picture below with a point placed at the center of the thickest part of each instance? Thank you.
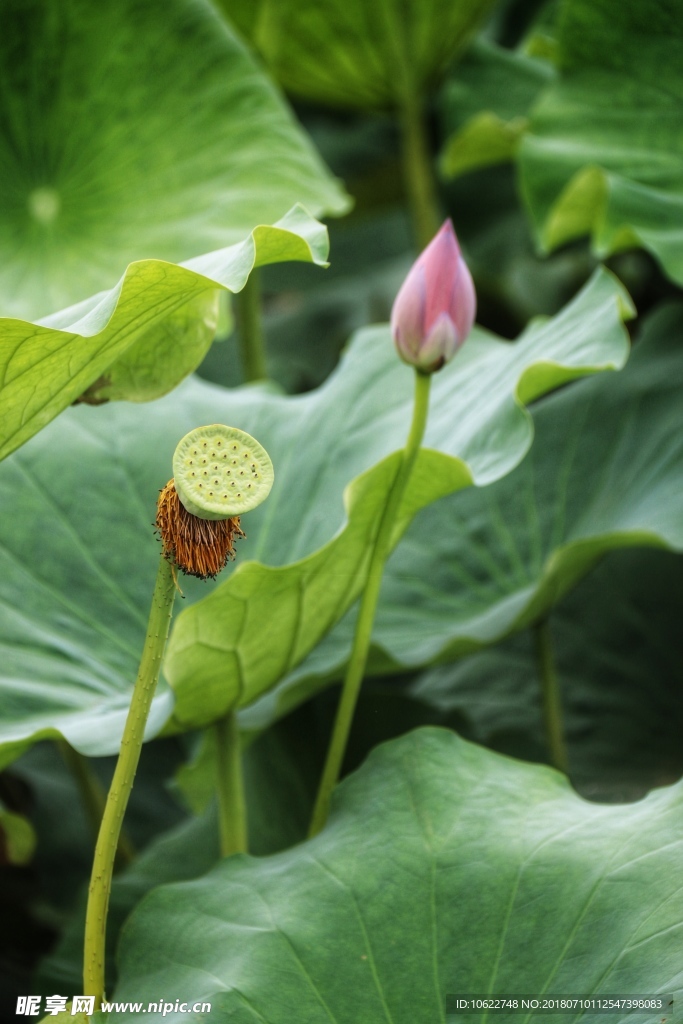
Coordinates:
(417, 170)
(250, 329)
(550, 696)
(122, 782)
(232, 811)
(93, 798)
(368, 606)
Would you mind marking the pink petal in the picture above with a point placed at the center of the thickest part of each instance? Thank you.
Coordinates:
(439, 346)
(407, 314)
(463, 301)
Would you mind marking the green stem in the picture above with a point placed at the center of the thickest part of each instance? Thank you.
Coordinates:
(122, 782)
(550, 696)
(250, 329)
(232, 810)
(368, 605)
(417, 171)
(92, 798)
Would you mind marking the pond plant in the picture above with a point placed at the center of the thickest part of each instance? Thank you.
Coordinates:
(219, 474)
(400, 732)
(431, 318)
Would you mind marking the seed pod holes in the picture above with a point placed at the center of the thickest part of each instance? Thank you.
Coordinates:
(225, 451)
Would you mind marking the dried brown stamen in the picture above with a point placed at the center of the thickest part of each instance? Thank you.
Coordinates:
(199, 547)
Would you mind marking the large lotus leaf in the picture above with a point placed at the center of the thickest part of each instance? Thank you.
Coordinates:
(35, 904)
(236, 644)
(355, 54)
(53, 801)
(305, 335)
(138, 340)
(77, 559)
(444, 869)
(617, 649)
(133, 131)
(280, 773)
(486, 104)
(605, 152)
(604, 472)
(186, 851)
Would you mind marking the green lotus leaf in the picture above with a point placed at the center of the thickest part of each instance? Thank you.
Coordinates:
(347, 53)
(280, 775)
(243, 15)
(604, 152)
(76, 539)
(222, 637)
(486, 104)
(445, 869)
(134, 131)
(617, 653)
(186, 851)
(65, 829)
(138, 340)
(603, 473)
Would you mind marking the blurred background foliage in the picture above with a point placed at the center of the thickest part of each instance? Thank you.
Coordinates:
(475, 116)
(482, 96)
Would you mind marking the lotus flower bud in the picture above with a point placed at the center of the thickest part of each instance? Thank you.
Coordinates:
(435, 308)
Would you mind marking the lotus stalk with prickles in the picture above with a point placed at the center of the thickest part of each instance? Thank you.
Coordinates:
(219, 473)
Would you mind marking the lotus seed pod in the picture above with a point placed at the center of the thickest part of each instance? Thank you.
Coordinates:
(198, 547)
(221, 472)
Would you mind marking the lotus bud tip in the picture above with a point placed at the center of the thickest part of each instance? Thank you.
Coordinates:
(435, 308)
